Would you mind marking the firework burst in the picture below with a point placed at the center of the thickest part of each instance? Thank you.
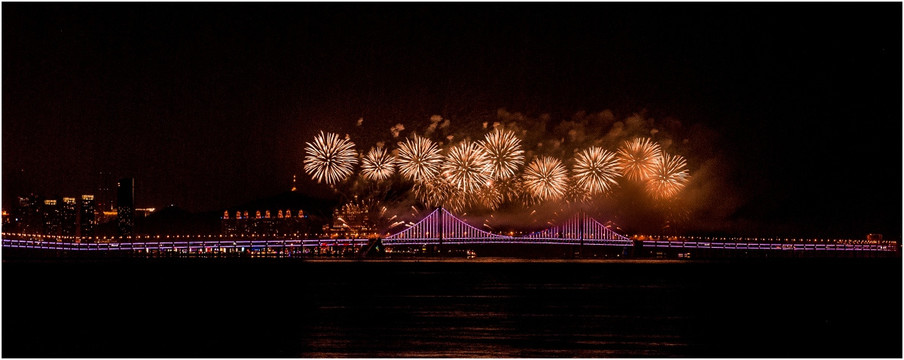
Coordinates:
(467, 166)
(377, 165)
(419, 159)
(575, 193)
(489, 196)
(669, 176)
(505, 154)
(439, 191)
(329, 158)
(545, 178)
(511, 189)
(638, 158)
(595, 170)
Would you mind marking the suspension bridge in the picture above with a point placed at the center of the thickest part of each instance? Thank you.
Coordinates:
(439, 228)
(443, 228)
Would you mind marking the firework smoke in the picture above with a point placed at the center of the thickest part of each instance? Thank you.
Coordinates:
(396, 130)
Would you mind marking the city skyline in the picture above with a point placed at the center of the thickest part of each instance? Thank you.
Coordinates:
(800, 120)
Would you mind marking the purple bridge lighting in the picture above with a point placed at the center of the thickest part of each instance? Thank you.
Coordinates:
(441, 227)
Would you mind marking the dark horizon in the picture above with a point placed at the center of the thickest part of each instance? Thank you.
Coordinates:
(795, 118)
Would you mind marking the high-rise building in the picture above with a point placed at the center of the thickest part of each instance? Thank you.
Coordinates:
(105, 200)
(30, 214)
(125, 206)
(87, 219)
(68, 217)
(51, 217)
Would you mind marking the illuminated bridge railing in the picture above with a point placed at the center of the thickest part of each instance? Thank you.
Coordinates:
(441, 226)
(181, 245)
(192, 246)
(765, 246)
(578, 227)
(424, 232)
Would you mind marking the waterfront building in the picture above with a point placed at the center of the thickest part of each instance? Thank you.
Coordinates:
(287, 221)
(68, 217)
(350, 221)
(105, 200)
(28, 217)
(125, 206)
(289, 213)
(51, 217)
(87, 217)
(144, 212)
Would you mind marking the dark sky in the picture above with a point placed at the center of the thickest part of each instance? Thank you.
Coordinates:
(208, 105)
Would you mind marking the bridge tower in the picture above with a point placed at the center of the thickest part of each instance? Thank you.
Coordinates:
(442, 220)
(581, 232)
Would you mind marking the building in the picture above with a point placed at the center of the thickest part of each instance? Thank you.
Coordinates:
(8, 223)
(266, 222)
(87, 218)
(63, 217)
(51, 218)
(350, 221)
(144, 212)
(125, 206)
(290, 213)
(68, 217)
(105, 197)
(28, 217)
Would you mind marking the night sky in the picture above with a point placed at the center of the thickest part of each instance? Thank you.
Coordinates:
(209, 105)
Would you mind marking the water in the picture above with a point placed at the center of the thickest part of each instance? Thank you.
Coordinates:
(279, 308)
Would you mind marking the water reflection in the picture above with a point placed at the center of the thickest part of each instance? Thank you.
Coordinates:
(484, 312)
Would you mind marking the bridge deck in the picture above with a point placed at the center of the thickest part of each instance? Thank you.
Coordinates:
(299, 243)
(442, 227)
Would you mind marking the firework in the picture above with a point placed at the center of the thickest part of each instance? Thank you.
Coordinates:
(377, 164)
(439, 191)
(595, 170)
(466, 166)
(510, 189)
(669, 176)
(638, 158)
(575, 193)
(504, 152)
(329, 158)
(419, 159)
(545, 178)
(489, 196)
(499, 170)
